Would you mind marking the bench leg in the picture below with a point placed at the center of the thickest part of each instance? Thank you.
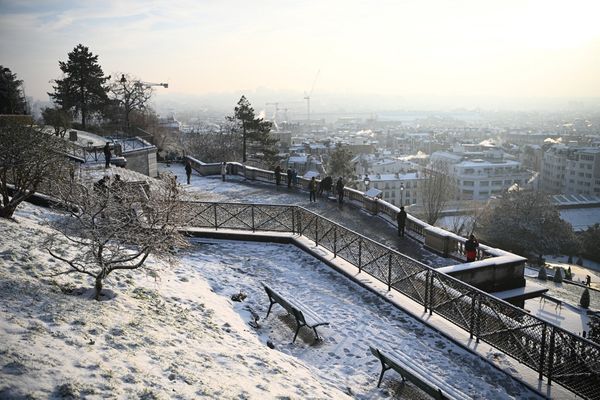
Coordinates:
(270, 306)
(297, 330)
(316, 334)
(383, 369)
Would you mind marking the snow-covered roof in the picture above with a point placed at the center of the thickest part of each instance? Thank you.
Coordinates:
(392, 177)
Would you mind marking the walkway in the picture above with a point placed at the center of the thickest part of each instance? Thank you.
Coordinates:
(236, 189)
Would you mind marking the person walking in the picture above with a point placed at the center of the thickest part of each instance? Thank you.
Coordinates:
(339, 188)
(277, 175)
(107, 155)
(401, 219)
(289, 177)
(223, 170)
(312, 188)
(188, 171)
(471, 246)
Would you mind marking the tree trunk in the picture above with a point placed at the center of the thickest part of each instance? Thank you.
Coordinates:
(98, 285)
(7, 211)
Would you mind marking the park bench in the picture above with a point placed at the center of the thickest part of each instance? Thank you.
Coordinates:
(414, 372)
(303, 314)
(545, 297)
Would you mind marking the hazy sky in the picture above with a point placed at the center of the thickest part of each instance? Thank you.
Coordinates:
(448, 48)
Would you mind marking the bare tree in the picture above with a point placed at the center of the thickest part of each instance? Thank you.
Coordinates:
(29, 158)
(129, 95)
(59, 119)
(436, 190)
(117, 227)
(219, 146)
(526, 223)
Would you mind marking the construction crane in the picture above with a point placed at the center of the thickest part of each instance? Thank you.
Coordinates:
(145, 85)
(307, 97)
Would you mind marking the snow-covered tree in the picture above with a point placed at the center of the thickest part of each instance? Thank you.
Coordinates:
(526, 223)
(29, 158)
(340, 164)
(117, 226)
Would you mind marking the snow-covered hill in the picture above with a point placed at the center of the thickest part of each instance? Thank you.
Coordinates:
(162, 334)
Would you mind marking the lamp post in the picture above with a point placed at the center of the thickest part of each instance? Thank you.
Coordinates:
(367, 181)
(401, 193)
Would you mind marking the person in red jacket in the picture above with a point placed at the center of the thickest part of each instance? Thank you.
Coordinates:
(471, 246)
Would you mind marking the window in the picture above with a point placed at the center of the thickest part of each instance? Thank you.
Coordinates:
(496, 183)
(468, 183)
(484, 183)
(508, 182)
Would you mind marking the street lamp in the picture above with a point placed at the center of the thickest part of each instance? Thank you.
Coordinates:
(401, 193)
(367, 181)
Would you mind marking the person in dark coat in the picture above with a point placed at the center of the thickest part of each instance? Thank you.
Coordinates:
(339, 188)
(289, 177)
(188, 171)
(107, 155)
(401, 219)
(312, 188)
(471, 246)
(277, 175)
(325, 186)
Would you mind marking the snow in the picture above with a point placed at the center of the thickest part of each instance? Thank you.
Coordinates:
(163, 334)
(172, 331)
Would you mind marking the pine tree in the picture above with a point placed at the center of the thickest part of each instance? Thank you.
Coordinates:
(12, 98)
(82, 87)
(255, 131)
(585, 299)
(340, 164)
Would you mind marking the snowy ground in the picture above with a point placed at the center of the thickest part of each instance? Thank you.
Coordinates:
(165, 335)
(175, 333)
(358, 318)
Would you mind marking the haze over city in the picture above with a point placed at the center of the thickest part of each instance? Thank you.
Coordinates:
(369, 55)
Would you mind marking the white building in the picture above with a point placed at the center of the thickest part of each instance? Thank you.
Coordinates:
(480, 172)
(571, 170)
(397, 189)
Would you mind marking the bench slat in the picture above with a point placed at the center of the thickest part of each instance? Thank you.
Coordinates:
(418, 375)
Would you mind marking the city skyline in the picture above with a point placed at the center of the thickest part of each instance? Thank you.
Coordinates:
(431, 49)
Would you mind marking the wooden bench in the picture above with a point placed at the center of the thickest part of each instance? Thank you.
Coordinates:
(545, 297)
(414, 372)
(303, 314)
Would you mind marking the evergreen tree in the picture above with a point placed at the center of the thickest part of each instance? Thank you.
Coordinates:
(585, 299)
(255, 132)
(82, 87)
(340, 164)
(12, 98)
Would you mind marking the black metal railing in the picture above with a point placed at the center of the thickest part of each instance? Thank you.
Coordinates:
(560, 356)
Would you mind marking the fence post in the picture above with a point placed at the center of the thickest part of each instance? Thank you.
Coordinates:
(316, 230)
(252, 210)
(551, 355)
(293, 220)
(390, 272)
(472, 322)
(334, 241)
(478, 320)
(359, 256)
(215, 210)
(426, 289)
(542, 353)
(430, 284)
(299, 222)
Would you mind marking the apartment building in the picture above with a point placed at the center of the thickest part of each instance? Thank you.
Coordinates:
(571, 170)
(479, 172)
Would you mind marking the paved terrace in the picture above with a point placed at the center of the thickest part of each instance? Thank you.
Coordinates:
(237, 189)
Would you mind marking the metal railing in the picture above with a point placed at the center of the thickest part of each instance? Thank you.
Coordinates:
(560, 356)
